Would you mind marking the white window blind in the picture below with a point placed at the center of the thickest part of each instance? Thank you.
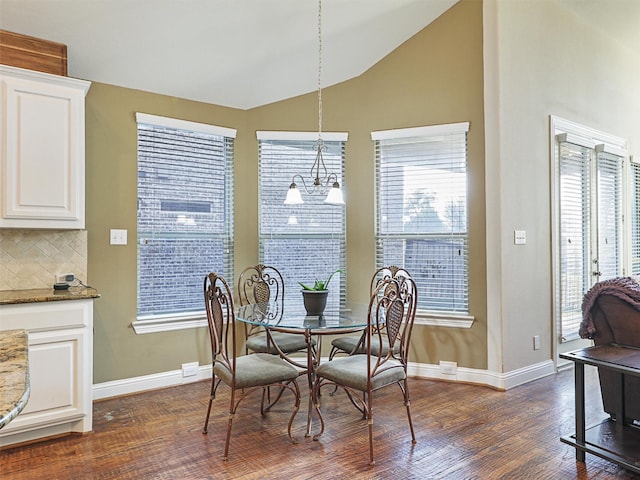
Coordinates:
(590, 210)
(575, 208)
(635, 218)
(306, 241)
(422, 211)
(185, 213)
(609, 215)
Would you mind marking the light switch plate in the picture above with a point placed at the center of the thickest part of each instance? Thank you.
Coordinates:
(118, 237)
(519, 237)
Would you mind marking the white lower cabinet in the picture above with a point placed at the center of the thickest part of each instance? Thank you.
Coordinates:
(60, 368)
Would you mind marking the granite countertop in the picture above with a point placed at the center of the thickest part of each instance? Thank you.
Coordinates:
(8, 297)
(14, 374)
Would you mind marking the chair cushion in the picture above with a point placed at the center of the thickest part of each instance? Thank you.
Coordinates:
(288, 343)
(257, 369)
(348, 343)
(352, 372)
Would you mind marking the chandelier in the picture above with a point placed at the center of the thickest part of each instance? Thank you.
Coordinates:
(321, 181)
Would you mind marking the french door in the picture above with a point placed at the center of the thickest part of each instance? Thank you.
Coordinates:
(591, 228)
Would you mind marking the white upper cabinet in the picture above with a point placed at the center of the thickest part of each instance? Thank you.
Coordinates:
(42, 159)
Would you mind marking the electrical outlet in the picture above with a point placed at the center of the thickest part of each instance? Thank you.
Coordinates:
(448, 368)
(65, 277)
(190, 369)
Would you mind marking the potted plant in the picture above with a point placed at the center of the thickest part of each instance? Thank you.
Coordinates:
(315, 297)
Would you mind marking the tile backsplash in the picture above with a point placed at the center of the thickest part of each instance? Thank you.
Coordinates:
(32, 258)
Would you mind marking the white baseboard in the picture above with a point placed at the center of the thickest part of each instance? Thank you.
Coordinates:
(147, 382)
(501, 381)
(9, 438)
(527, 374)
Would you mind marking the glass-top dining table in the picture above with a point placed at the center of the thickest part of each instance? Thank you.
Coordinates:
(292, 318)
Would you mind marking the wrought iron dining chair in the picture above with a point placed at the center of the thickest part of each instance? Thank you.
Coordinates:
(243, 374)
(260, 284)
(350, 344)
(392, 309)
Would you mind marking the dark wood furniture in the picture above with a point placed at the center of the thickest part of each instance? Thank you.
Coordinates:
(616, 441)
(616, 319)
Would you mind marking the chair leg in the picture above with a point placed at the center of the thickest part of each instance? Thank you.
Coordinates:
(368, 406)
(232, 411)
(296, 392)
(226, 444)
(206, 420)
(407, 403)
(316, 404)
(233, 407)
(265, 396)
(212, 396)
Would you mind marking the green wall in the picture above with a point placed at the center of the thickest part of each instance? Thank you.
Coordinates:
(433, 78)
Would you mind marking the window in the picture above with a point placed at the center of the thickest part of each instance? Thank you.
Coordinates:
(421, 211)
(635, 217)
(308, 240)
(590, 214)
(185, 218)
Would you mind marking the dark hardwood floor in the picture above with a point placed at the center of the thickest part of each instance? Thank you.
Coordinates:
(463, 432)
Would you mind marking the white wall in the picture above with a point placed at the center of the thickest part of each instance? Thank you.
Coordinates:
(546, 61)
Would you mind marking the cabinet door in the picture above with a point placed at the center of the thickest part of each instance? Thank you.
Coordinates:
(43, 164)
(56, 394)
(60, 368)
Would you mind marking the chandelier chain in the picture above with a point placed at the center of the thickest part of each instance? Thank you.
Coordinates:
(319, 70)
(323, 181)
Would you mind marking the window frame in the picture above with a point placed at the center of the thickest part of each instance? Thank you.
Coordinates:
(596, 142)
(185, 320)
(440, 318)
(338, 139)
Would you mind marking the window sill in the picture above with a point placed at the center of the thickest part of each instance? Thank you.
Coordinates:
(168, 323)
(443, 320)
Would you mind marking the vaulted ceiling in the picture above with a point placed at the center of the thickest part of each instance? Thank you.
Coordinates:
(245, 53)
